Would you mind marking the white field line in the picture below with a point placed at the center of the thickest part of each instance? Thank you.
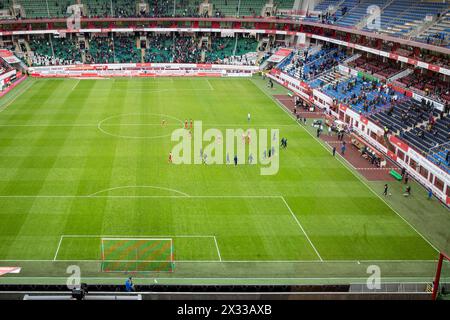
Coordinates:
(100, 123)
(339, 157)
(134, 236)
(135, 239)
(75, 85)
(217, 247)
(301, 227)
(57, 249)
(209, 84)
(141, 187)
(24, 88)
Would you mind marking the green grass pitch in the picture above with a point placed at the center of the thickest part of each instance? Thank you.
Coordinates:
(83, 160)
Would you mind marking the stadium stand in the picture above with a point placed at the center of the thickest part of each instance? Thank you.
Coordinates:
(441, 156)
(186, 8)
(159, 49)
(101, 50)
(430, 134)
(398, 17)
(420, 125)
(439, 33)
(428, 84)
(331, 11)
(158, 8)
(311, 63)
(126, 50)
(4, 67)
(403, 16)
(45, 8)
(164, 48)
(55, 51)
(362, 94)
(358, 12)
(376, 66)
(185, 49)
(403, 116)
(232, 51)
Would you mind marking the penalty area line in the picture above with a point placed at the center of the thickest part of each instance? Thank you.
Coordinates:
(75, 85)
(301, 227)
(217, 247)
(57, 249)
(209, 84)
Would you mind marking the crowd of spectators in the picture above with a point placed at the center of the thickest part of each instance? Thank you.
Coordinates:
(229, 50)
(310, 63)
(376, 66)
(362, 94)
(161, 48)
(429, 84)
(186, 50)
(57, 51)
(101, 50)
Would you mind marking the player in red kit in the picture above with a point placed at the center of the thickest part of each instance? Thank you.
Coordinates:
(170, 157)
(185, 124)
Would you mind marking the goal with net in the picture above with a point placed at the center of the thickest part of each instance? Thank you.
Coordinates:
(137, 255)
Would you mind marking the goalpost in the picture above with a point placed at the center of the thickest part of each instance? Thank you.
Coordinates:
(137, 255)
(441, 283)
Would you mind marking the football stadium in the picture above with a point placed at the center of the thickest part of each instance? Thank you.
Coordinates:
(296, 149)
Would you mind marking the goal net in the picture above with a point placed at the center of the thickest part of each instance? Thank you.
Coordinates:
(441, 283)
(137, 255)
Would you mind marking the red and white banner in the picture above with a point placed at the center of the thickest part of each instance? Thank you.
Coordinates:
(5, 270)
(143, 70)
(280, 55)
(8, 56)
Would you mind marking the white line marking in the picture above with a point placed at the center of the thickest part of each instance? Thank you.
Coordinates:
(217, 247)
(150, 187)
(76, 84)
(57, 249)
(135, 239)
(4, 107)
(209, 84)
(301, 227)
(134, 236)
(355, 174)
(163, 116)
